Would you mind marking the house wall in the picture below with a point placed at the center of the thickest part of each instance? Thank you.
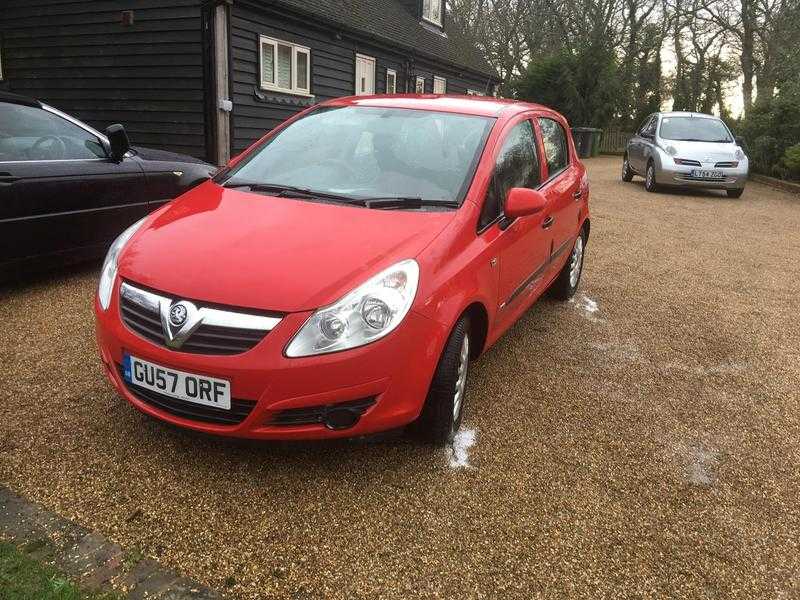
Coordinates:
(256, 111)
(80, 58)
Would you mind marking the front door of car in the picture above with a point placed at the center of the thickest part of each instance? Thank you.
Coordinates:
(59, 193)
(561, 188)
(638, 147)
(522, 245)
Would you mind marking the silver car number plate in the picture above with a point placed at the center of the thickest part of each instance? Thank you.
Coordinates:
(707, 174)
(177, 384)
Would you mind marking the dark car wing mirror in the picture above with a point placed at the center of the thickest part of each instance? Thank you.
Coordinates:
(118, 142)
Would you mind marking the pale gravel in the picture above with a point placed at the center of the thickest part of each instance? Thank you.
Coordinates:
(648, 448)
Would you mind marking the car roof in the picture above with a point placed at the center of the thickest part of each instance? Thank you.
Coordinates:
(681, 113)
(486, 106)
(17, 99)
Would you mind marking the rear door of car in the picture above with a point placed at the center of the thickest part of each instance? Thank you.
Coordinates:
(561, 187)
(59, 193)
(522, 246)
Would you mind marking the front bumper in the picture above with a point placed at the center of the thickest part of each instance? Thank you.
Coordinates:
(393, 372)
(680, 175)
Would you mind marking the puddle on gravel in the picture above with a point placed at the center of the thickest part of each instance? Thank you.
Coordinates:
(698, 462)
(458, 451)
(588, 307)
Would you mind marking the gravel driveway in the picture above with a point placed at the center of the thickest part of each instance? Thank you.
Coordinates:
(643, 440)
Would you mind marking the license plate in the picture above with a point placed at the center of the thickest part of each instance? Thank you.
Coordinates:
(706, 174)
(177, 384)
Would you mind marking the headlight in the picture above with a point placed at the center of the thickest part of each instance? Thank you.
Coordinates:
(671, 150)
(366, 314)
(109, 272)
(739, 154)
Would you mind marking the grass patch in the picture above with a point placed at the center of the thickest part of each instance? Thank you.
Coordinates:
(24, 578)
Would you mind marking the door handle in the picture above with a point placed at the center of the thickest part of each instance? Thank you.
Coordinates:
(577, 194)
(548, 222)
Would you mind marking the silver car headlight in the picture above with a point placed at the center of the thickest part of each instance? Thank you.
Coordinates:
(366, 314)
(109, 272)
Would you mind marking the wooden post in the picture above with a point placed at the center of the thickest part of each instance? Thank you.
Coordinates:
(221, 85)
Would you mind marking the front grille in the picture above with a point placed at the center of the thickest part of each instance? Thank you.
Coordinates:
(140, 312)
(239, 411)
(728, 164)
(312, 415)
(688, 162)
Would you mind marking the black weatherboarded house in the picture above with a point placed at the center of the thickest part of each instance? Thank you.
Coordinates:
(208, 78)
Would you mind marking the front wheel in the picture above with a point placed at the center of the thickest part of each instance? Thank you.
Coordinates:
(650, 178)
(735, 193)
(566, 284)
(444, 406)
(627, 173)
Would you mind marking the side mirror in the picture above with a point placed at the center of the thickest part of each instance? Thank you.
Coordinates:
(521, 202)
(118, 142)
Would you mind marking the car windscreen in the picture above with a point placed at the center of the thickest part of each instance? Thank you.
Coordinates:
(694, 129)
(367, 152)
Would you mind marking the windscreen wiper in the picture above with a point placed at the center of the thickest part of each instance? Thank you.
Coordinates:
(290, 191)
(406, 202)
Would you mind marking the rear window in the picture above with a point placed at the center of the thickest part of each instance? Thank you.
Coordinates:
(694, 129)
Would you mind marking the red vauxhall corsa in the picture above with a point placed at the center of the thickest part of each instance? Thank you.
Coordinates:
(337, 278)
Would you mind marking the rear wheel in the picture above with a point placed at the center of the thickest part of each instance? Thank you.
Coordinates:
(566, 284)
(650, 178)
(627, 173)
(735, 193)
(444, 406)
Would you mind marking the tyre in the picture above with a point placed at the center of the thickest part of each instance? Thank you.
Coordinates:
(735, 193)
(650, 178)
(444, 406)
(627, 173)
(566, 284)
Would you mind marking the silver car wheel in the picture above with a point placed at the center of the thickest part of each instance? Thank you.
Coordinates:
(576, 262)
(461, 381)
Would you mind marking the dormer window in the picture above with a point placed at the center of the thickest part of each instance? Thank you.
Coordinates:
(432, 11)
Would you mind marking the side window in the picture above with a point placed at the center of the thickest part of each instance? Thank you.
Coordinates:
(30, 133)
(517, 165)
(643, 128)
(556, 149)
(651, 127)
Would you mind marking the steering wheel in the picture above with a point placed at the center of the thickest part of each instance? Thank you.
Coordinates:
(336, 162)
(54, 151)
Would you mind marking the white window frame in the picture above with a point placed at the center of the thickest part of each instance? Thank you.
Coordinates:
(369, 59)
(442, 81)
(393, 74)
(296, 49)
(417, 81)
(430, 12)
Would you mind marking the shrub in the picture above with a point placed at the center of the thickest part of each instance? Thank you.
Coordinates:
(791, 160)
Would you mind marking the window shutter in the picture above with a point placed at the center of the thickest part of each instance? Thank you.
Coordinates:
(267, 62)
(284, 66)
(302, 70)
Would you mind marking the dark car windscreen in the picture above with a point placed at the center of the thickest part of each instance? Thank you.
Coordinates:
(366, 152)
(694, 129)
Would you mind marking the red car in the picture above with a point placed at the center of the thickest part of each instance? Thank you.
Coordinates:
(337, 278)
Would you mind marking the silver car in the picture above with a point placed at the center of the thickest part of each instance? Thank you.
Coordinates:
(688, 150)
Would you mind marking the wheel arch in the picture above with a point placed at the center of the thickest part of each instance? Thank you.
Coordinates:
(478, 326)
